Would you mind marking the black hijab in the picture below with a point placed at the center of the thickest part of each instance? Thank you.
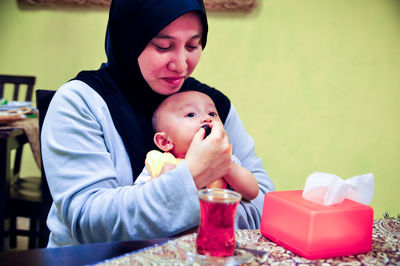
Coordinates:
(131, 26)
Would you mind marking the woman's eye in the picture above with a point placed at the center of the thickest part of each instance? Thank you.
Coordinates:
(162, 47)
(192, 47)
(191, 115)
(212, 114)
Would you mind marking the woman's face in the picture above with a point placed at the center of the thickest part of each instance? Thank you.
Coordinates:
(171, 56)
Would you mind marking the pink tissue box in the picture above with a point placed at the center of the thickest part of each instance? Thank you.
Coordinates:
(316, 231)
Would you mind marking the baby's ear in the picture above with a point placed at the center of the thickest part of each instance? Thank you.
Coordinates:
(163, 142)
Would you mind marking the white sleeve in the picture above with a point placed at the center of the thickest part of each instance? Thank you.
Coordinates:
(143, 177)
(248, 214)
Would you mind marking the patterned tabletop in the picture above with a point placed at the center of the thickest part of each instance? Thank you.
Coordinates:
(181, 251)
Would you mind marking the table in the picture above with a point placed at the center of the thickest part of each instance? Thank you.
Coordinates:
(385, 250)
(30, 127)
(74, 255)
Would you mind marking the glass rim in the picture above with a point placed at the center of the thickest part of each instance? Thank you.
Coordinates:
(225, 193)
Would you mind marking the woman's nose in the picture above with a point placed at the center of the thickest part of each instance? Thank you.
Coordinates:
(178, 62)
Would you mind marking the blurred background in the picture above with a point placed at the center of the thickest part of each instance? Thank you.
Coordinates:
(316, 83)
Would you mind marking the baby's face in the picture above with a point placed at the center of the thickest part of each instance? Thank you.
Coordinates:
(183, 116)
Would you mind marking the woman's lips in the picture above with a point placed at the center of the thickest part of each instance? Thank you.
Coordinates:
(175, 81)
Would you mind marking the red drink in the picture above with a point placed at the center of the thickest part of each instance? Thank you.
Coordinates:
(216, 235)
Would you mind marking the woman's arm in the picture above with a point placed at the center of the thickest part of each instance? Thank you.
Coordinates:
(90, 178)
(248, 214)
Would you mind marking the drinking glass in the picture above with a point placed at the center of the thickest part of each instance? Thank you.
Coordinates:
(216, 236)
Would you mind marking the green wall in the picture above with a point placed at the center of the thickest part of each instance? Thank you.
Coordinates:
(317, 83)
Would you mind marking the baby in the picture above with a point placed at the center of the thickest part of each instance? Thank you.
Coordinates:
(176, 121)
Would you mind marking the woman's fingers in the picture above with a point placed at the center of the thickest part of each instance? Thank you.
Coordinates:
(210, 158)
(199, 136)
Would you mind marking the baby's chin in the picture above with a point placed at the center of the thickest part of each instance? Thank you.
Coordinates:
(181, 156)
(178, 154)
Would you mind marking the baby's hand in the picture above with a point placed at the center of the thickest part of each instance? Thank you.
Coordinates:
(219, 183)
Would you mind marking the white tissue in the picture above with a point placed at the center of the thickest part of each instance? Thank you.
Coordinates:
(329, 189)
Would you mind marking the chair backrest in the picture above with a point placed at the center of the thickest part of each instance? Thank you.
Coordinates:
(43, 99)
(17, 81)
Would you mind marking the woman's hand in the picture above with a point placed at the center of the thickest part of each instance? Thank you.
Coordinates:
(210, 158)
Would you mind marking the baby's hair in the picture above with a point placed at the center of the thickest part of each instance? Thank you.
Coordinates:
(154, 119)
(156, 116)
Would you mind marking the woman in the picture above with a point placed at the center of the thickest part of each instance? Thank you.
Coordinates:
(98, 130)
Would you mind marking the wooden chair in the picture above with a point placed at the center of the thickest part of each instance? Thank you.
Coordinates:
(17, 81)
(30, 200)
(11, 88)
(27, 196)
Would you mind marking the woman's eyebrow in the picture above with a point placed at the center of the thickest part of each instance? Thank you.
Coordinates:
(165, 36)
